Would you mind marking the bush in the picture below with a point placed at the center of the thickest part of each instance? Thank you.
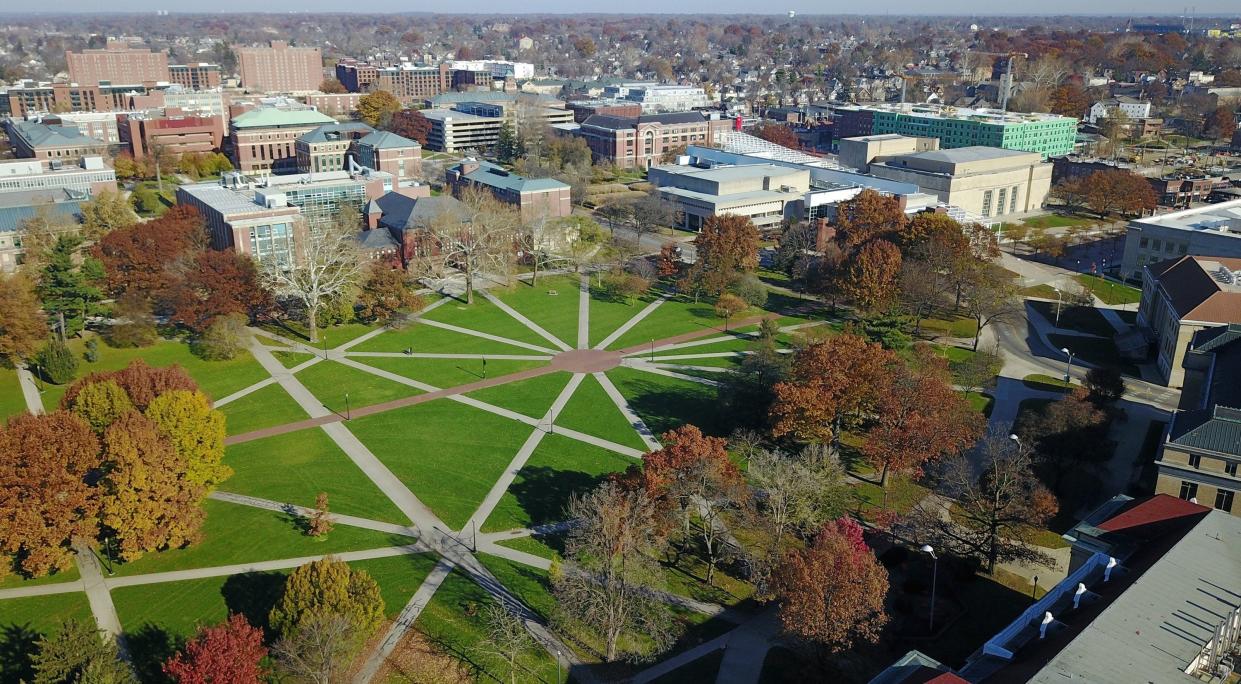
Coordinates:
(92, 350)
(623, 287)
(749, 288)
(56, 363)
(224, 338)
(642, 268)
(133, 324)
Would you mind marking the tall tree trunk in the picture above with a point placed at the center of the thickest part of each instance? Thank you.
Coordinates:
(610, 656)
(469, 285)
(883, 477)
(977, 332)
(312, 320)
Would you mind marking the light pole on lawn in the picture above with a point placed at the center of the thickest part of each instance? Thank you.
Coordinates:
(930, 551)
(1068, 367)
(324, 339)
(1059, 302)
(348, 412)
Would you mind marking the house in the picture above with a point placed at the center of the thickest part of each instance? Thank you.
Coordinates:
(1128, 106)
(1183, 296)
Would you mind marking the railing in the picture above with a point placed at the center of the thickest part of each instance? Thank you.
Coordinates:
(998, 644)
(1225, 641)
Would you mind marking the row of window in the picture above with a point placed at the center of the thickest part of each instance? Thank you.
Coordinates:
(1223, 497)
(1007, 202)
(1195, 461)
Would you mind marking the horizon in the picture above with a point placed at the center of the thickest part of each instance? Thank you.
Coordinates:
(1222, 13)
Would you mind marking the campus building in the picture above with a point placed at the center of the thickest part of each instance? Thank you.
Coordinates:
(116, 63)
(327, 147)
(1183, 296)
(280, 68)
(983, 181)
(1050, 135)
(87, 174)
(641, 141)
(98, 125)
(146, 132)
(18, 205)
(660, 98)
(1213, 230)
(476, 125)
(195, 76)
(263, 140)
(30, 97)
(390, 153)
(335, 104)
(764, 193)
(535, 198)
(50, 141)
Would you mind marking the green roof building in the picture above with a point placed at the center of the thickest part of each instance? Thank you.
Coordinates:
(1050, 135)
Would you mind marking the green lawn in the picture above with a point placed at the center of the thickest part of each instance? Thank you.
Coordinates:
(1059, 221)
(290, 359)
(14, 580)
(483, 316)
(528, 584)
(453, 620)
(531, 397)
(674, 317)
(734, 345)
(333, 336)
(902, 495)
(555, 313)
(12, 401)
(447, 372)
(1047, 383)
(549, 546)
(1109, 292)
(262, 408)
(430, 339)
(607, 315)
(216, 378)
(733, 361)
(240, 534)
(664, 403)
(295, 467)
(1086, 319)
(24, 620)
(398, 577)
(558, 468)
(447, 453)
(982, 403)
(1043, 291)
(590, 410)
(948, 325)
(330, 381)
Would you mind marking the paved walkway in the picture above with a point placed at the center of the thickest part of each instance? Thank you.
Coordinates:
(97, 594)
(30, 391)
(629, 324)
(404, 621)
(583, 312)
(749, 644)
(648, 438)
(526, 321)
(304, 512)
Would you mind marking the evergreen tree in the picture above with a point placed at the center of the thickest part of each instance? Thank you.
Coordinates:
(56, 363)
(65, 289)
(79, 653)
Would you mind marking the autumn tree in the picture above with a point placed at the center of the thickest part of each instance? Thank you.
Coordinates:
(1070, 439)
(320, 650)
(989, 295)
(1116, 191)
(149, 258)
(610, 561)
(106, 212)
(217, 283)
(726, 247)
(332, 86)
(231, 652)
(980, 369)
(746, 393)
(141, 383)
(777, 133)
(386, 292)
(79, 652)
(133, 323)
(320, 522)
(101, 403)
(329, 587)
(377, 107)
(832, 384)
(40, 232)
(412, 124)
(478, 236)
(729, 305)
(1220, 123)
(1068, 99)
(45, 499)
(146, 499)
(832, 592)
(196, 432)
(998, 506)
(330, 265)
(225, 338)
(22, 327)
(1105, 384)
(799, 491)
(866, 216)
(872, 275)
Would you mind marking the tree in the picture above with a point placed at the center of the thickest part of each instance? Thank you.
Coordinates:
(106, 212)
(979, 369)
(868, 215)
(478, 237)
(224, 338)
(101, 403)
(777, 133)
(196, 432)
(990, 296)
(320, 650)
(871, 276)
(141, 382)
(22, 326)
(78, 652)
(622, 286)
(610, 561)
(385, 293)
(375, 108)
(228, 653)
(831, 384)
(750, 289)
(746, 393)
(40, 233)
(56, 363)
(668, 264)
(1118, 190)
(509, 145)
(133, 324)
(329, 587)
(410, 123)
(726, 246)
(149, 258)
(330, 266)
(1220, 123)
(507, 637)
(729, 305)
(45, 500)
(332, 86)
(799, 491)
(996, 513)
(1105, 384)
(320, 521)
(218, 283)
(832, 592)
(1070, 437)
(64, 289)
(146, 500)
(647, 215)
(1068, 99)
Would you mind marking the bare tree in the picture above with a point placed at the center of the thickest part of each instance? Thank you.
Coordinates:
(990, 296)
(480, 234)
(801, 491)
(330, 265)
(507, 637)
(320, 650)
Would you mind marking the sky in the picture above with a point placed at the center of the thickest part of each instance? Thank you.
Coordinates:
(887, 7)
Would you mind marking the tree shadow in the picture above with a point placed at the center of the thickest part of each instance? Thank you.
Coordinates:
(543, 493)
(252, 595)
(663, 409)
(17, 645)
(149, 647)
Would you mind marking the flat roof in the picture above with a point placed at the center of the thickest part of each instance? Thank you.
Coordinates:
(272, 116)
(1224, 217)
(723, 174)
(973, 153)
(454, 115)
(979, 114)
(732, 198)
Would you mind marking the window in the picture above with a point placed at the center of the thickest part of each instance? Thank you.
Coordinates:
(1195, 461)
(986, 203)
(1189, 490)
(1231, 469)
(999, 209)
(1223, 500)
(1012, 201)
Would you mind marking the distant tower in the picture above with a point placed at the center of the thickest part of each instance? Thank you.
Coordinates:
(792, 14)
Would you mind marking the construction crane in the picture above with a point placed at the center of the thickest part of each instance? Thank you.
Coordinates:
(1008, 73)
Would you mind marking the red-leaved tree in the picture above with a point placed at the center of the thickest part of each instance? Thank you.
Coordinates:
(227, 653)
(141, 382)
(150, 258)
(218, 283)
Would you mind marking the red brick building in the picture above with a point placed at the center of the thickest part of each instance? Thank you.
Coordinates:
(264, 140)
(641, 141)
(143, 133)
(280, 68)
(195, 76)
(334, 104)
(584, 109)
(117, 63)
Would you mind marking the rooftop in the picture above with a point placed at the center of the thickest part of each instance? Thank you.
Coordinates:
(965, 155)
(617, 123)
(455, 116)
(1224, 218)
(494, 176)
(272, 117)
(336, 131)
(725, 174)
(1203, 289)
(44, 135)
(20, 205)
(981, 115)
(384, 140)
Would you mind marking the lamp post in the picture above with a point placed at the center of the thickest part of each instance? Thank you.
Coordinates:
(930, 551)
(1059, 302)
(652, 356)
(1034, 591)
(324, 345)
(348, 412)
(1068, 368)
(557, 666)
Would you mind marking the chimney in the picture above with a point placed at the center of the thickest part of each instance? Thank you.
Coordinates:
(373, 214)
(737, 123)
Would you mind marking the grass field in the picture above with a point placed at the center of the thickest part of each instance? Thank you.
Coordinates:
(664, 403)
(590, 410)
(290, 359)
(427, 338)
(330, 381)
(447, 372)
(674, 317)
(262, 408)
(24, 620)
(558, 468)
(1108, 291)
(1085, 319)
(483, 316)
(12, 401)
(555, 313)
(544, 546)
(240, 534)
(531, 397)
(1059, 221)
(447, 453)
(331, 336)
(1043, 291)
(1047, 383)
(295, 467)
(528, 584)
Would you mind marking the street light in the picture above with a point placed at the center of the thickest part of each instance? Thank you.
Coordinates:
(930, 551)
(1068, 368)
(1034, 591)
(1015, 438)
(348, 412)
(1059, 300)
(557, 666)
(325, 345)
(652, 357)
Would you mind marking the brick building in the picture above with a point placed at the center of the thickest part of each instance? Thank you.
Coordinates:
(534, 198)
(29, 97)
(117, 63)
(175, 134)
(1183, 296)
(280, 68)
(328, 147)
(195, 76)
(44, 141)
(641, 141)
(263, 140)
(584, 109)
(335, 104)
(390, 153)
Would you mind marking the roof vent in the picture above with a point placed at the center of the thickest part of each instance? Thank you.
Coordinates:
(1226, 275)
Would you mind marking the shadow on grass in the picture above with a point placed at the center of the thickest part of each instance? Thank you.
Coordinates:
(253, 595)
(17, 646)
(543, 493)
(149, 647)
(663, 408)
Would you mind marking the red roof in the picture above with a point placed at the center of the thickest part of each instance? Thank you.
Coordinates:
(1157, 508)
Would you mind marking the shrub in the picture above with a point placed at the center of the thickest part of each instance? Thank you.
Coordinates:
(56, 363)
(749, 288)
(224, 338)
(92, 350)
